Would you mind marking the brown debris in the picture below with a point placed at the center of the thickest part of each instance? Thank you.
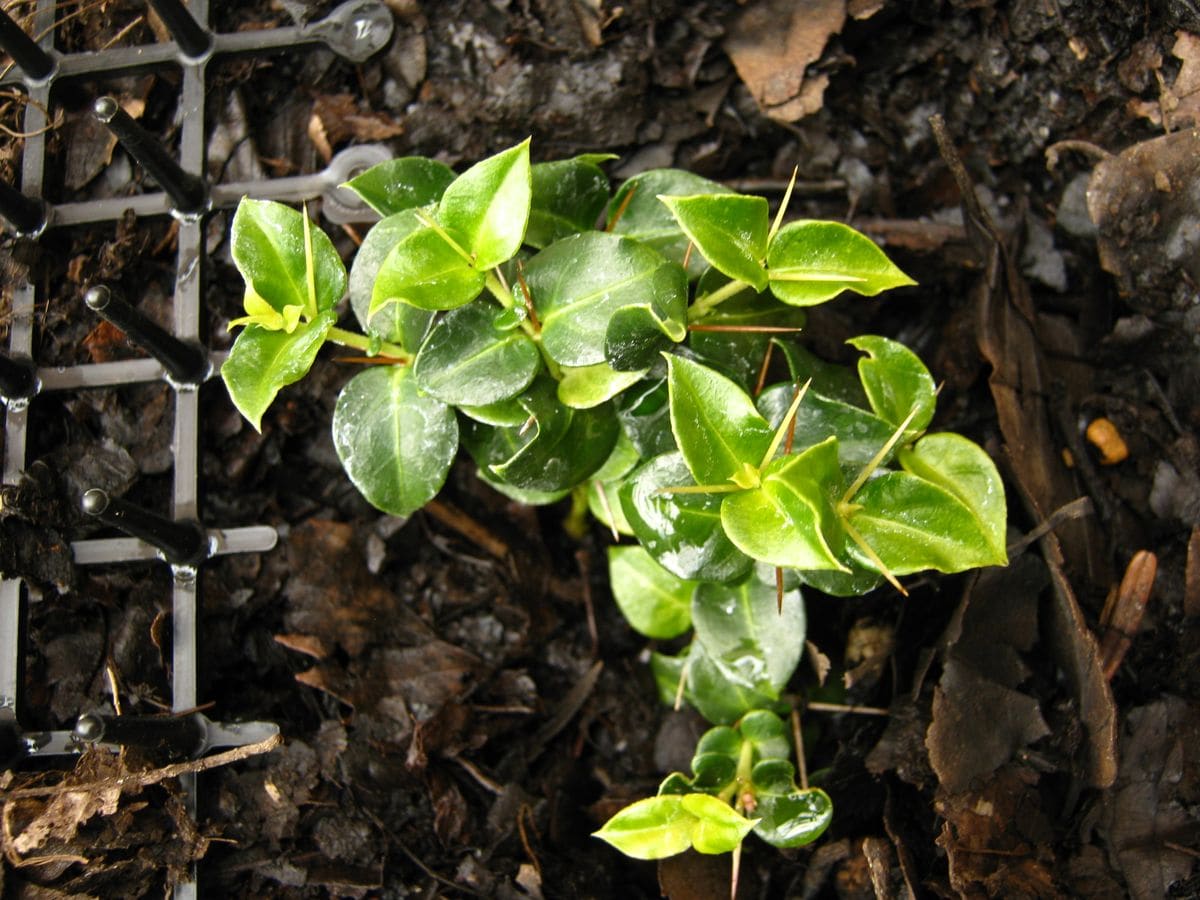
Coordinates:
(1124, 609)
(773, 43)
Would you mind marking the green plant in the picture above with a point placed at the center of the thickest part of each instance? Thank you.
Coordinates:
(624, 366)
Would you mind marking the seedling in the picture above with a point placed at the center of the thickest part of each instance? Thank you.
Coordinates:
(625, 365)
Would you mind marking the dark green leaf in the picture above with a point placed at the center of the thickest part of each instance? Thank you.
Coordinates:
(645, 417)
(399, 323)
(653, 601)
(860, 435)
(682, 531)
(855, 583)
(716, 426)
(580, 282)
(568, 197)
(896, 382)
(521, 495)
(729, 229)
(399, 184)
(269, 251)
(667, 670)
(739, 354)
(489, 206)
(743, 630)
(718, 697)
(647, 220)
(810, 262)
(557, 449)
(261, 362)
(465, 360)
(395, 443)
(829, 380)
(792, 819)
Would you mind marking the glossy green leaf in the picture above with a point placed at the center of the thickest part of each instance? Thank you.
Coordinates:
(399, 184)
(792, 819)
(645, 416)
(488, 205)
(580, 282)
(260, 362)
(395, 443)
(655, 602)
(465, 360)
(791, 519)
(268, 246)
(962, 468)
(425, 271)
(682, 531)
(913, 524)
(523, 496)
(860, 434)
(768, 736)
(716, 426)
(604, 487)
(568, 197)
(638, 333)
(729, 229)
(717, 696)
(854, 583)
(743, 630)
(586, 386)
(399, 323)
(556, 448)
(810, 262)
(667, 670)
(896, 382)
(646, 219)
(505, 413)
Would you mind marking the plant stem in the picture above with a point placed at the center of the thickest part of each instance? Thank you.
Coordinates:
(706, 304)
(362, 342)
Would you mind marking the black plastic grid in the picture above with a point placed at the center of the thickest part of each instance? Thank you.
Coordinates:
(355, 30)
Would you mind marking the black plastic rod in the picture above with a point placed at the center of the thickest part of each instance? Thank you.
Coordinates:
(188, 192)
(181, 543)
(18, 380)
(186, 363)
(26, 214)
(173, 736)
(29, 57)
(193, 39)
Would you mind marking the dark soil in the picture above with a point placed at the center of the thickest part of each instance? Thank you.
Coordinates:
(463, 704)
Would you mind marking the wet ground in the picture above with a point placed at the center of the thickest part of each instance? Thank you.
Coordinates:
(462, 703)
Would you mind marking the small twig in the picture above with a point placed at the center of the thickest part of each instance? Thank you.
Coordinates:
(842, 708)
(762, 369)
(798, 742)
(584, 561)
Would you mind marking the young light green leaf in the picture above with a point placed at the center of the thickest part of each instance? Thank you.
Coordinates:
(682, 531)
(962, 468)
(729, 229)
(395, 443)
(790, 520)
(425, 271)
(268, 246)
(745, 633)
(716, 426)
(398, 323)
(912, 524)
(489, 206)
(586, 386)
(644, 218)
(580, 282)
(399, 184)
(261, 362)
(467, 361)
(810, 262)
(719, 828)
(653, 601)
(568, 197)
(654, 828)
